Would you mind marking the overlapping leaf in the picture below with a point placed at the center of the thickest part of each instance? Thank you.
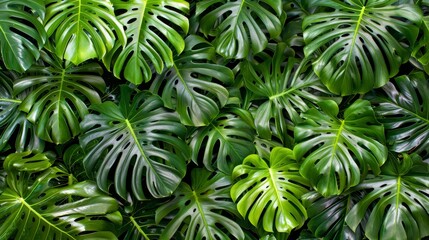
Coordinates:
(82, 29)
(13, 122)
(286, 87)
(42, 208)
(268, 194)
(403, 108)
(242, 26)
(225, 142)
(154, 30)
(327, 215)
(194, 86)
(397, 201)
(137, 146)
(59, 97)
(360, 44)
(197, 209)
(335, 152)
(21, 33)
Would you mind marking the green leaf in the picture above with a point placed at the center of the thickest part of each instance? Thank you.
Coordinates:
(136, 146)
(21, 33)
(403, 108)
(360, 44)
(242, 26)
(397, 201)
(41, 209)
(283, 87)
(154, 30)
(194, 86)
(58, 98)
(72, 162)
(196, 209)
(335, 152)
(327, 215)
(82, 29)
(268, 193)
(225, 142)
(421, 48)
(13, 122)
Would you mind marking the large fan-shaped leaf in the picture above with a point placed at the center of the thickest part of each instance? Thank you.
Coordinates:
(153, 29)
(197, 209)
(21, 32)
(268, 194)
(421, 49)
(227, 140)
(286, 86)
(404, 111)
(336, 151)
(240, 26)
(13, 122)
(327, 215)
(57, 102)
(82, 29)
(138, 144)
(46, 209)
(362, 43)
(397, 202)
(194, 87)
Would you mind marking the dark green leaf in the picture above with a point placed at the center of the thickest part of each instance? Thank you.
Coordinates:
(403, 108)
(202, 203)
(360, 44)
(268, 194)
(58, 100)
(335, 152)
(242, 26)
(194, 86)
(21, 32)
(225, 142)
(153, 29)
(397, 202)
(135, 145)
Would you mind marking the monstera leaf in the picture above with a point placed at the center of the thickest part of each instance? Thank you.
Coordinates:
(154, 30)
(13, 122)
(139, 222)
(82, 29)
(227, 140)
(22, 34)
(336, 151)
(286, 86)
(362, 43)
(45, 208)
(197, 209)
(404, 111)
(192, 86)
(58, 100)
(138, 144)
(397, 201)
(268, 193)
(240, 26)
(420, 51)
(327, 215)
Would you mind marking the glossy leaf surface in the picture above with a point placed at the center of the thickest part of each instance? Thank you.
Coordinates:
(82, 29)
(268, 193)
(335, 151)
(201, 203)
(154, 31)
(242, 26)
(360, 44)
(136, 146)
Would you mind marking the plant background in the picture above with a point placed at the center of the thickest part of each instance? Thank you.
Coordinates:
(214, 119)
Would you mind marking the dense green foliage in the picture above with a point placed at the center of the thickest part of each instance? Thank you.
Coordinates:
(214, 119)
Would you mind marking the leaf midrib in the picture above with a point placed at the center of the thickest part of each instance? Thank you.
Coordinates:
(137, 226)
(28, 206)
(355, 34)
(10, 100)
(203, 216)
(275, 188)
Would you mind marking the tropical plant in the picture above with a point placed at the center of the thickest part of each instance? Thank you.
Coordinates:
(214, 119)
